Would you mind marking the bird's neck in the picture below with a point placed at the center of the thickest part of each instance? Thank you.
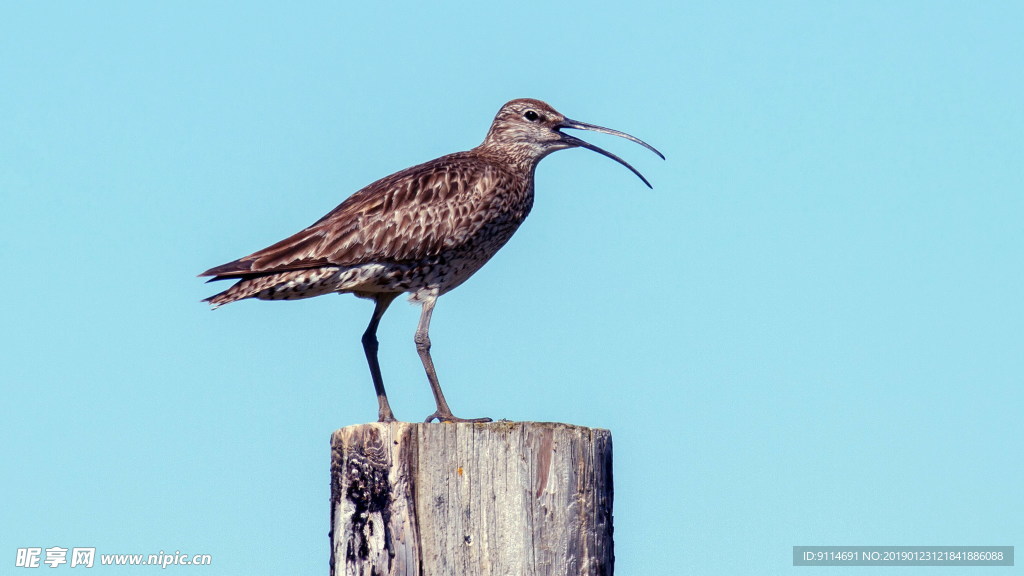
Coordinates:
(517, 156)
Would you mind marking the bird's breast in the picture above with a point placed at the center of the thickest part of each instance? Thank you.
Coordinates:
(493, 223)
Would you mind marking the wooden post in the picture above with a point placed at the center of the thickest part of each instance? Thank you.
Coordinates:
(504, 498)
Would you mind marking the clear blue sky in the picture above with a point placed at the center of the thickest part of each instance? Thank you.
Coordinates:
(809, 332)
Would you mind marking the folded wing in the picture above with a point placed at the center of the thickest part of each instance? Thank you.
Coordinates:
(410, 215)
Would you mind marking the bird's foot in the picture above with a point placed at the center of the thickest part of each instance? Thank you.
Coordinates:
(386, 417)
(449, 417)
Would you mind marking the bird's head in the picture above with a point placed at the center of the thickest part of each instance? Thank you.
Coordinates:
(529, 130)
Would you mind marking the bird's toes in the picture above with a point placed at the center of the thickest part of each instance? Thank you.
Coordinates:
(451, 418)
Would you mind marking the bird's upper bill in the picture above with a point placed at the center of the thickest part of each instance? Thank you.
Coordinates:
(537, 128)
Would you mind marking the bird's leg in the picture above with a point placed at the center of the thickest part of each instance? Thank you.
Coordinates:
(443, 413)
(381, 303)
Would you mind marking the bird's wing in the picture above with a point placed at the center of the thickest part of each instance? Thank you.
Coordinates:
(412, 214)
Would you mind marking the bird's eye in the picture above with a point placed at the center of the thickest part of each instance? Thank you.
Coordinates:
(531, 116)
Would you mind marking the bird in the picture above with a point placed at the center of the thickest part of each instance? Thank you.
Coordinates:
(423, 230)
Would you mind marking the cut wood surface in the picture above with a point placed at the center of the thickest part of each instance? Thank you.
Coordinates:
(503, 498)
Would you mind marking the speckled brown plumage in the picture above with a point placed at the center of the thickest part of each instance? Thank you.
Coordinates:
(423, 230)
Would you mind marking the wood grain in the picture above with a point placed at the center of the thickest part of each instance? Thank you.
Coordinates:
(504, 498)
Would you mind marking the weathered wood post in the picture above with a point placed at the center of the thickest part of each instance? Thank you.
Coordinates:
(501, 499)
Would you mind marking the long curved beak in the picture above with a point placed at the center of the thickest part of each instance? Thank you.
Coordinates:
(573, 141)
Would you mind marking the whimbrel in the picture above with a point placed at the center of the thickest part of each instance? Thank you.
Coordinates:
(424, 230)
